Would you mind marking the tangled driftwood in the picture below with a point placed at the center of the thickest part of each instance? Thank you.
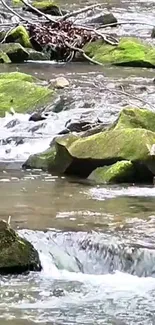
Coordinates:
(61, 38)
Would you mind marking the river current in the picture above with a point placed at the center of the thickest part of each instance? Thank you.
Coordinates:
(96, 243)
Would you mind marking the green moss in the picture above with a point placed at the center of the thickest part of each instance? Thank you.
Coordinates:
(18, 91)
(20, 35)
(43, 4)
(135, 118)
(4, 57)
(120, 172)
(17, 75)
(17, 255)
(130, 52)
(119, 144)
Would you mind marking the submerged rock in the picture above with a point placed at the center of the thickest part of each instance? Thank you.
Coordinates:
(129, 52)
(103, 19)
(17, 255)
(20, 91)
(120, 172)
(61, 83)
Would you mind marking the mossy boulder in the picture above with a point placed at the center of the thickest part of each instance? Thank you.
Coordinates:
(105, 148)
(15, 52)
(129, 52)
(47, 7)
(135, 118)
(45, 160)
(22, 92)
(17, 255)
(49, 159)
(19, 35)
(120, 172)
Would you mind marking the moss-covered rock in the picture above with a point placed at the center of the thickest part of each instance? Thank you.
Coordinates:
(135, 118)
(36, 56)
(120, 172)
(105, 148)
(19, 91)
(129, 52)
(49, 159)
(46, 6)
(45, 160)
(19, 35)
(17, 255)
(15, 52)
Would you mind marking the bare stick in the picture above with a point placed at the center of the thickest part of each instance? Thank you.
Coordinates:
(78, 12)
(12, 11)
(38, 11)
(122, 92)
(125, 23)
(76, 49)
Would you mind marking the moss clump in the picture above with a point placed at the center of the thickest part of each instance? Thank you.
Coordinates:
(17, 255)
(20, 35)
(129, 52)
(135, 118)
(120, 172)
(18, 90)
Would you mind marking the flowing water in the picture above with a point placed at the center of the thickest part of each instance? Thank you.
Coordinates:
(96, 243)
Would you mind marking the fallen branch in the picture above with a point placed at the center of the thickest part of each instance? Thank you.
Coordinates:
(125, 23)
(124, 93)
(38, 11)
(12, 11)
(76, 49)
(78, 12)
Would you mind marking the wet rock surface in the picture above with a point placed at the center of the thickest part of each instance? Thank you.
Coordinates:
(17, 255)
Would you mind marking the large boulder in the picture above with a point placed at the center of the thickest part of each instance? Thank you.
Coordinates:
(121, 172)
(17, 255)
(129, 52)
(21, 91)
(125, 151)
(82, 156)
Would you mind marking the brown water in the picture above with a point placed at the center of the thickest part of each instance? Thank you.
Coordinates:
(96, 243)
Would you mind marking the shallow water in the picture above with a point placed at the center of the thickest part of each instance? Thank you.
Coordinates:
(96, 243)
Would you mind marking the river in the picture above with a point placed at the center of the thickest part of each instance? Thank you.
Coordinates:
(96, 243)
